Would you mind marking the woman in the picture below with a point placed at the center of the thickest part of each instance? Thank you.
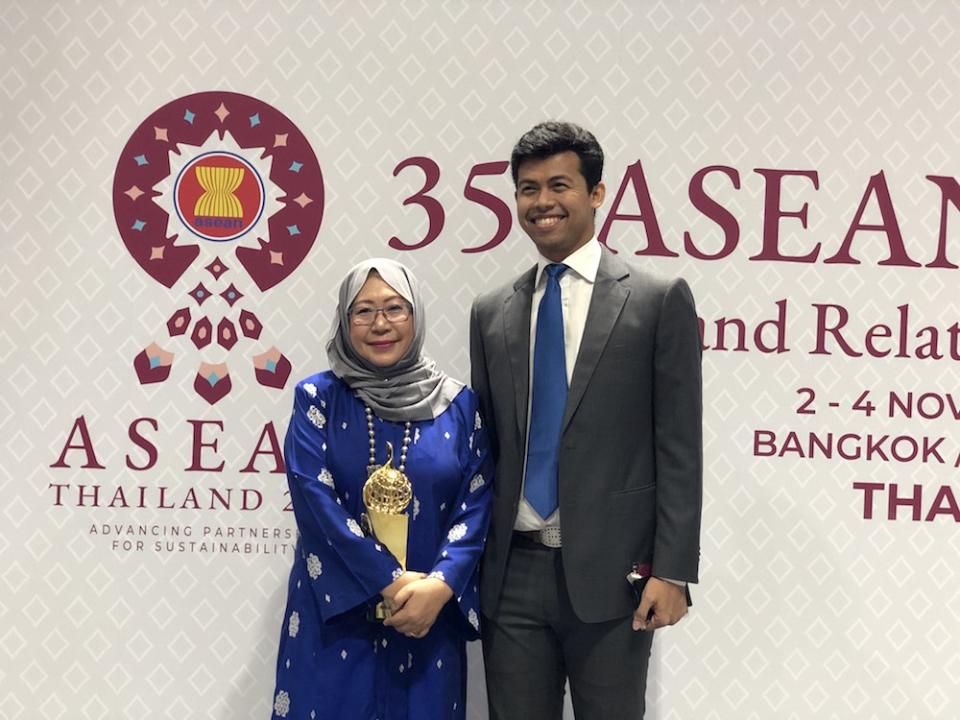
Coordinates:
(335, 659)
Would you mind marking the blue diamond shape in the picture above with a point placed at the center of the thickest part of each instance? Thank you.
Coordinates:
(295, 166)
(139, 225)
(212, 378)
(189, 116)
(154, 362)
(255, 120)
(141, 160)
(293, 229)
(271, 366)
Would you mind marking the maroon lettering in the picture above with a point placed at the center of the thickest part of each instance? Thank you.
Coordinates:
(894, 502)
(823, 329)
(432, 206)
(58, 488)
(715, 211)
(269, 434)
(79, 426)
(949, 192)
(634, 177)
(143, 443)
(490, 201)
(772, 213)
(945, 503)
(251, 499)
(868, 488)
(877, 185)
(778, 327)
(198, 446)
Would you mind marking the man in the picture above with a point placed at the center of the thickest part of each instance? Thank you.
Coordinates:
(588, 372)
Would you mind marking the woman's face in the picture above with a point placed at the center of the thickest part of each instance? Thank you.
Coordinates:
(381, 323)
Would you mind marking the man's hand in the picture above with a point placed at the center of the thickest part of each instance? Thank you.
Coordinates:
(667, 601)
(390, 591)
(416, 606)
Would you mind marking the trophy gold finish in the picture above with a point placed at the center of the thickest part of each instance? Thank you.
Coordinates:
(387, 494)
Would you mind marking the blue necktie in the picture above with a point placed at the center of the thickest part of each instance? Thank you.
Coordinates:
(549, 399)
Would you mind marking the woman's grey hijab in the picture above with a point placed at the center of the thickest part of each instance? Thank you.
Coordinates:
(413, 388)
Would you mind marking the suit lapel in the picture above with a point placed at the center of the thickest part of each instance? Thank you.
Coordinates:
(516, 325)
(606, 303)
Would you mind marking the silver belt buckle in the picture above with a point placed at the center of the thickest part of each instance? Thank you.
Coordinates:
(550, 536)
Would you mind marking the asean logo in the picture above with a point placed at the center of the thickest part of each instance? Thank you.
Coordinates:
(208, 177)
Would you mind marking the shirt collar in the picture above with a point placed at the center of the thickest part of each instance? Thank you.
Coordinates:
(584, 261)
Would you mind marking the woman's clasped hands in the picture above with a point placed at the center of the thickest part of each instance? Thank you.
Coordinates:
(414, 601)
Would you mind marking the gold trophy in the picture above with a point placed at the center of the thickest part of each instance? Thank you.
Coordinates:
(386, 495)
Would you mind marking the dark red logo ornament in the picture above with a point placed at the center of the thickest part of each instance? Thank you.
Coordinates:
(206, 177)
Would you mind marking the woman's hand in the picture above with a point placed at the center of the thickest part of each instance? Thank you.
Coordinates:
(417, 606)
(390, 591)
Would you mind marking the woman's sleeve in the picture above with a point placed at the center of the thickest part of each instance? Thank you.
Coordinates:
(458, 560)
(345, 567)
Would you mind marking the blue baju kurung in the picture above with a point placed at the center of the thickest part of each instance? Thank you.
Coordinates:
(333, 662)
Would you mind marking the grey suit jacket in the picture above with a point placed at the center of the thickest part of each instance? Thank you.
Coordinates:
(631, 458)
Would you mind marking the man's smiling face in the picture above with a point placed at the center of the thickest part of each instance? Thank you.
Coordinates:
(554, 206)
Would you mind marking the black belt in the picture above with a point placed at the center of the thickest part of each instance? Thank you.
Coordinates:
(533, 537)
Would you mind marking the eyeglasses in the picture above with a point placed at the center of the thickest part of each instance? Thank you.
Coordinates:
(393, 313)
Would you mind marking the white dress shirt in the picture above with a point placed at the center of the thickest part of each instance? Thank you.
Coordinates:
(576, 290)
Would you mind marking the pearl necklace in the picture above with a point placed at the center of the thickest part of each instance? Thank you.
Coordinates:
(372, 465)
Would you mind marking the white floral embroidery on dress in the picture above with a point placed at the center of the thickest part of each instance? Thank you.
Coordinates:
(311, 389)
(416, 436)
(416, 507)
(446, 436)
(314, 566)
(457, 532)
(281, 704)
(327, 479)
(353, 527)
(343, 654)
(294, 626)
(438, 574)
(477, 424)
(396, 573)
(473, 619)
(316, 417)
(477, 482)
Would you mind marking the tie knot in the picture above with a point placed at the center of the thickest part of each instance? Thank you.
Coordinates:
(555, 270)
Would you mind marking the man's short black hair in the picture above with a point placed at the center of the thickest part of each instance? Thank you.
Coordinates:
(552, 137)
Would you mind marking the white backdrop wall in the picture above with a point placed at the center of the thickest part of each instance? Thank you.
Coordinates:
(829, 584)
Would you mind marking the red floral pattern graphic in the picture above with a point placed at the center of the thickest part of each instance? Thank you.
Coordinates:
(223, 170)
